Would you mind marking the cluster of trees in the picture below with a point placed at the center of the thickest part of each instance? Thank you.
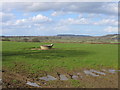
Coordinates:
(29, 38)
(23, 40)
(5, 39)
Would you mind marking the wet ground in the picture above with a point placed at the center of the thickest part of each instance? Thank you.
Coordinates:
(84, 78)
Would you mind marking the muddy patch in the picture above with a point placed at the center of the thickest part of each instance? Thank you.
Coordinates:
(48, 78)
(98, 72)
(41, 49)
(88, 72)
(75, 77)
(88, 78)
(63, 77)
(32, 84)
(113, 71)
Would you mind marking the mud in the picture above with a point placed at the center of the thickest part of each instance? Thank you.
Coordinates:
(32, 84)
(87, 72)
(87, 78)
(98, 72)
(75, 77)
(41, 49)
(63, 77)
(113, 71)
(48, 78)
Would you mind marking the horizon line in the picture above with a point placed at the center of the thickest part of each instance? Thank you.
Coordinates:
(62, 34)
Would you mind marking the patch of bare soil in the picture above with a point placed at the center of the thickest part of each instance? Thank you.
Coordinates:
(13, 80)
(17, 78)
(41, 49)
(108, 81)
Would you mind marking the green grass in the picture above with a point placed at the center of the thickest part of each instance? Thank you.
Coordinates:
(76, 83)
(66, 55)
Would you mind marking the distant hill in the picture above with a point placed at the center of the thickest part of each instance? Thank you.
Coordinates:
(111, 38)
(73, 35)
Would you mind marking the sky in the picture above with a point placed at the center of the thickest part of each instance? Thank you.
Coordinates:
(52, 18)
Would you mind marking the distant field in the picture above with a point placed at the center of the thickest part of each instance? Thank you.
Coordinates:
(65, 55)
(111, 38)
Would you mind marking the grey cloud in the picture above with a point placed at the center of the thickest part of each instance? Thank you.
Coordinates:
(77, 7)
(4, 17)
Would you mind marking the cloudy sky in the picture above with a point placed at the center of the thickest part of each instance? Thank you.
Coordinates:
(47, 19)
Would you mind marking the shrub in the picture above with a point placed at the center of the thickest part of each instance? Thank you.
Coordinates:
(5, 39)
(25, 40)
(35, 40)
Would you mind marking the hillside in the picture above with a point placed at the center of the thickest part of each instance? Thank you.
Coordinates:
(112, 38)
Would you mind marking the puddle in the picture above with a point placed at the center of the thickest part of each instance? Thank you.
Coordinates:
(97, 72)
(63, 77)
(48, 78)
(113, 71)
(75, 77)
(90, 73)
(32, 84)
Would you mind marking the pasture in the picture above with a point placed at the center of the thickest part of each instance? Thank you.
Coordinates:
(64, 57)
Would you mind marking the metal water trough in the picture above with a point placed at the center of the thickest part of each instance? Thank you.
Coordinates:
(46, 47)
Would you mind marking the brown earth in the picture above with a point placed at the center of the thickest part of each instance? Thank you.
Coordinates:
(13, 79)
(41, 49)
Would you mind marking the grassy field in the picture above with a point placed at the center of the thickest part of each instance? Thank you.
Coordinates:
(21, 64)
(64, 55)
